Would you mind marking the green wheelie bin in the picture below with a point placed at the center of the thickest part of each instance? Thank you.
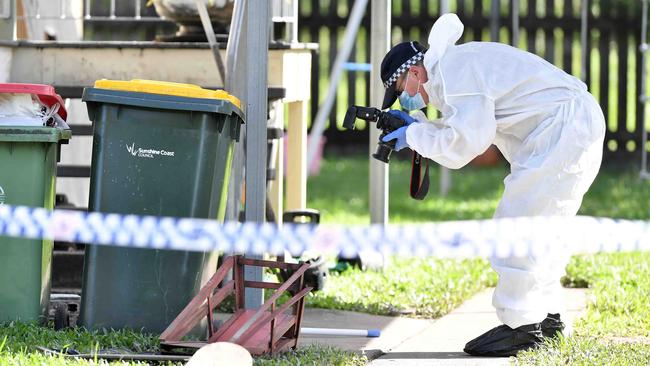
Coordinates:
(28, 156)
(161, 149)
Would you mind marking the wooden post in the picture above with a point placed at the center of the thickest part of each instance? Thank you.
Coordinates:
(276, 189)
(297, 156)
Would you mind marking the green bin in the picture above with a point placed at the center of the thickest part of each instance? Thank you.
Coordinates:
(160, 149)
(28, 157)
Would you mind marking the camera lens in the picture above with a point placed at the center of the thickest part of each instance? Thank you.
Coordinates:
(383, 153)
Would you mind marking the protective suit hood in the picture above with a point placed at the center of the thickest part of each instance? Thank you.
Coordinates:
(446, 31)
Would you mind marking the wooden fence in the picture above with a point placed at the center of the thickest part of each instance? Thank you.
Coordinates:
(549, 28)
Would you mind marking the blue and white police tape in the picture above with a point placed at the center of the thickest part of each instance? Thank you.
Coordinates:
(501, 237)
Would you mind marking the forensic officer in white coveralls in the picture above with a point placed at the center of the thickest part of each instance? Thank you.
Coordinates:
(544, 122)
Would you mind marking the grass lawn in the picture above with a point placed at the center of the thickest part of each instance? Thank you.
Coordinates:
(17, 342)
(616, 329)
(423, 287)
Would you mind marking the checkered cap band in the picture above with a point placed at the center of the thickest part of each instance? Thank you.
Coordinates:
(403, 68)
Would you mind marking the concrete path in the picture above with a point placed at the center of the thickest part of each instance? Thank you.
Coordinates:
(421, 342)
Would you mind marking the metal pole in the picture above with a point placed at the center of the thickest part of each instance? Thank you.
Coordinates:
(515, 23)
(371, 333)
(87, 10)
(444, 6)
(294, 23)
(583, 39)
(380, 12)
(292, 29)
(494, 21)
(337, 69)
(233, 74)
(232, 49)
(138, 11)
(643, 97)
(445, 173)
(212, 39)
(256, 38)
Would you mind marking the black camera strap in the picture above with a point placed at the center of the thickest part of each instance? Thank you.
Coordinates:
(419, 182)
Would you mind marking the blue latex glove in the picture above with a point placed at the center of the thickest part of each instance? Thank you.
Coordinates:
(402, 115)
(400, 135)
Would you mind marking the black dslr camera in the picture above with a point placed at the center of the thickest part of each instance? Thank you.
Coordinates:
(386, 122)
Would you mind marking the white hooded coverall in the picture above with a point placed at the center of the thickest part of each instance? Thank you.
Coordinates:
(544, 122)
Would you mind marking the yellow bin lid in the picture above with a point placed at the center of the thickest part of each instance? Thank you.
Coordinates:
(166, 88)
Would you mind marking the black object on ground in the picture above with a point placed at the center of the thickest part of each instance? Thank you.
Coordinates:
(316, 275)
(552, 326)
(504, 341)
(70, 353)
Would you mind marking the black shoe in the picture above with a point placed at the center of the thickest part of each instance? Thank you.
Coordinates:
(552, 326)
(504, 341)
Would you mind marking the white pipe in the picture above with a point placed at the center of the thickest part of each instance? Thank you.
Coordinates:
(112, 11)
(63, 10)
(294, 23)
(87, 9)
(344, 54)
(370, 333)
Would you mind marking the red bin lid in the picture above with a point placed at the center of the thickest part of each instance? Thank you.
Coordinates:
(45, 93)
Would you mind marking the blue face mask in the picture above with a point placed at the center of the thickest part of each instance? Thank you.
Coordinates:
(412, 103)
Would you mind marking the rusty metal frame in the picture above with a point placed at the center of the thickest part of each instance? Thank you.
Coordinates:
(269, 329)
